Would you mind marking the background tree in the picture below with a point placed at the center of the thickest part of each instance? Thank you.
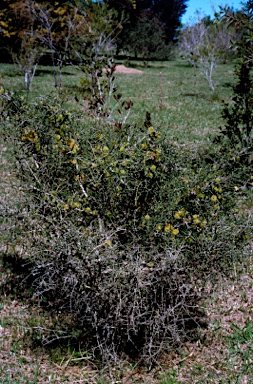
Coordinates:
(147, 39)
(58, 23)
(30, 48)
(93, 47)
(169, 13)
(10, 26)
(165, 14)
(21, 36)
(238, 114)
(206, 43)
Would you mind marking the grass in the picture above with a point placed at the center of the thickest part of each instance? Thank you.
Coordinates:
(181, 105)
(179, 99)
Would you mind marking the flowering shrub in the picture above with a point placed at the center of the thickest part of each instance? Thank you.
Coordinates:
(118, 219)
(131, 179)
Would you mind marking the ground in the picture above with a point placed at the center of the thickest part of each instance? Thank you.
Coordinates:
(130, 71)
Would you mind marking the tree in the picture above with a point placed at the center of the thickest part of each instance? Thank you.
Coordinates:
(206, 43)
(170, 13)
(238, 114)
(165, 13)
(58, 24)
(80, 32)
(147, 39)
(29, 25)
(93, 51)
(21, 36)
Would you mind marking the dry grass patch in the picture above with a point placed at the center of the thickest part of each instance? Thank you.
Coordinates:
(22, 362)
(221, 354)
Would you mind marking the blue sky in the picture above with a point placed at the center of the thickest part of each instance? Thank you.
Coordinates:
(206, 7)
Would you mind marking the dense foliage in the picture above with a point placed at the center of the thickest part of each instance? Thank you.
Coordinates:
(54, 24)
(238, 113)
(61, 33)
(168, 12)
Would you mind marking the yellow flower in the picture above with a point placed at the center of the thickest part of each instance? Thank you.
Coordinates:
(217, 179)
(196, 219)
(153, 167)
(151, 130)
(75, 205)
(168, 228)
(122, 149)
(57, 137)
(159, 227)
(150, 175)
(100, 136)
(150, 264)
(31, 136)
(75, 148)
(178, 215)
(144, 146)
(151, 155)
(147, 217)
(105, 149)
(214, 198)
(107, 243)
(60, 117)
(73, 161)
(66, 207)
(175, 231)
(70, 143)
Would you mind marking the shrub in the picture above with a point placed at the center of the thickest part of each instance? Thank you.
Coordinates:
(237, 114)
(122, 226)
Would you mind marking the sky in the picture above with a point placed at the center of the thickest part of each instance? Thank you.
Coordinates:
(206, 7)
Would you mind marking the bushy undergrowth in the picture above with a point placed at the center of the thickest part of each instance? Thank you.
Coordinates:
(123, 227)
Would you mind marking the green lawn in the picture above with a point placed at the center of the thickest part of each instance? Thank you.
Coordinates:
(177, 96)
